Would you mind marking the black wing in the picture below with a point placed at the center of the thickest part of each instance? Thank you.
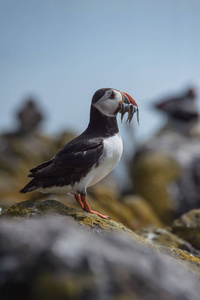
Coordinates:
(77, 156)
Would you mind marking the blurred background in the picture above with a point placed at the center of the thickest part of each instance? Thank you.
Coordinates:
(55, 54)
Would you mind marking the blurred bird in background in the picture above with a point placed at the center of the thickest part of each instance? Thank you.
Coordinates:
(166, 168)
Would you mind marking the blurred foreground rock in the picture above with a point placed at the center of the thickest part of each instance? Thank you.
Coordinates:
(166, 168)
(54, 258)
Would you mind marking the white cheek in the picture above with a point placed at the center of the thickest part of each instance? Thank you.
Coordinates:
(107, 107)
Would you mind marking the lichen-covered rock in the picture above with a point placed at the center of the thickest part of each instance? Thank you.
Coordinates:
(106, 200)
(93, 223)
(18, 154)
(54, 259)
(164, 237)
(131, 210)
(153, 175)
(188, 227)
(166, 168)
(143, 213)
(182, 257)
(170, 244)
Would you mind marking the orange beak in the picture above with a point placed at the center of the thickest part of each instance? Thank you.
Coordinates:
(128, 99)
(128, 104)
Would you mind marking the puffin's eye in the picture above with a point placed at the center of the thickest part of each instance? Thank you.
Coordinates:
(112, 96)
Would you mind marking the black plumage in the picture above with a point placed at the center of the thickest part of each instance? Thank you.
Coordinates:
(70, 164)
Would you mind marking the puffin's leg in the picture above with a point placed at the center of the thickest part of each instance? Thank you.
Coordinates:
(78, 199)
(88, 209)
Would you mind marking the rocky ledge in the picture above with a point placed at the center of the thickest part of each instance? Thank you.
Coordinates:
(91, 222)
(48, 248)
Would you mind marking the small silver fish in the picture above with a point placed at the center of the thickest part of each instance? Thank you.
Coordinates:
(131, 109)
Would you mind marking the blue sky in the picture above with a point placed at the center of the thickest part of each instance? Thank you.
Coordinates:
(62, 51)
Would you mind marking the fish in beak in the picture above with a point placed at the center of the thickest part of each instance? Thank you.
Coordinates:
(128, 104)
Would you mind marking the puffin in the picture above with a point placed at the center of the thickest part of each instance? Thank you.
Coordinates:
(91, 156)
(182, 108)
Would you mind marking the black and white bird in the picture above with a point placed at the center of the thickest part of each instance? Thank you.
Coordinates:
(89, 157)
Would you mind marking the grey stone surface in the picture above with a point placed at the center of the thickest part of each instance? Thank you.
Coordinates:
(55, 259)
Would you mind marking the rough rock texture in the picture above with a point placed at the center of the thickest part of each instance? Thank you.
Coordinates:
(143, 213)
(175, 147)
(166, 172)
(153, 175)
(188, 227)
(184, 258)
(133, 211)
(93, 223)
(18, 154)
(55, 259)
(173, 246)
(164, 237)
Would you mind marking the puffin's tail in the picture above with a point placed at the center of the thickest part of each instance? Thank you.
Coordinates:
(31, 186)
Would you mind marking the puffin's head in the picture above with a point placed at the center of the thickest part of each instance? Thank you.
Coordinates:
(110, 101)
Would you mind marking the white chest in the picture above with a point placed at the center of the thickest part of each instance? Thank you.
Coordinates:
(112, 152)
(111, 155)
(113, 148)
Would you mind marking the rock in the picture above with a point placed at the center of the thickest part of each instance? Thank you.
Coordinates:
(93, 223)
(188, 227)
(132, 211)
(153, 175)
(184, 190)
(170, 244)
(143, 213)
(163, 237)
(55, 259)
(182, 257)
(106, 200)
(166, 168)
(18, 154)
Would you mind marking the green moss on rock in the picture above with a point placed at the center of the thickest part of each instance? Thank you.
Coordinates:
(152, 173)
(164, 237)
(143, 213)
(91, 222)
(185, 258)
(188, 227)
